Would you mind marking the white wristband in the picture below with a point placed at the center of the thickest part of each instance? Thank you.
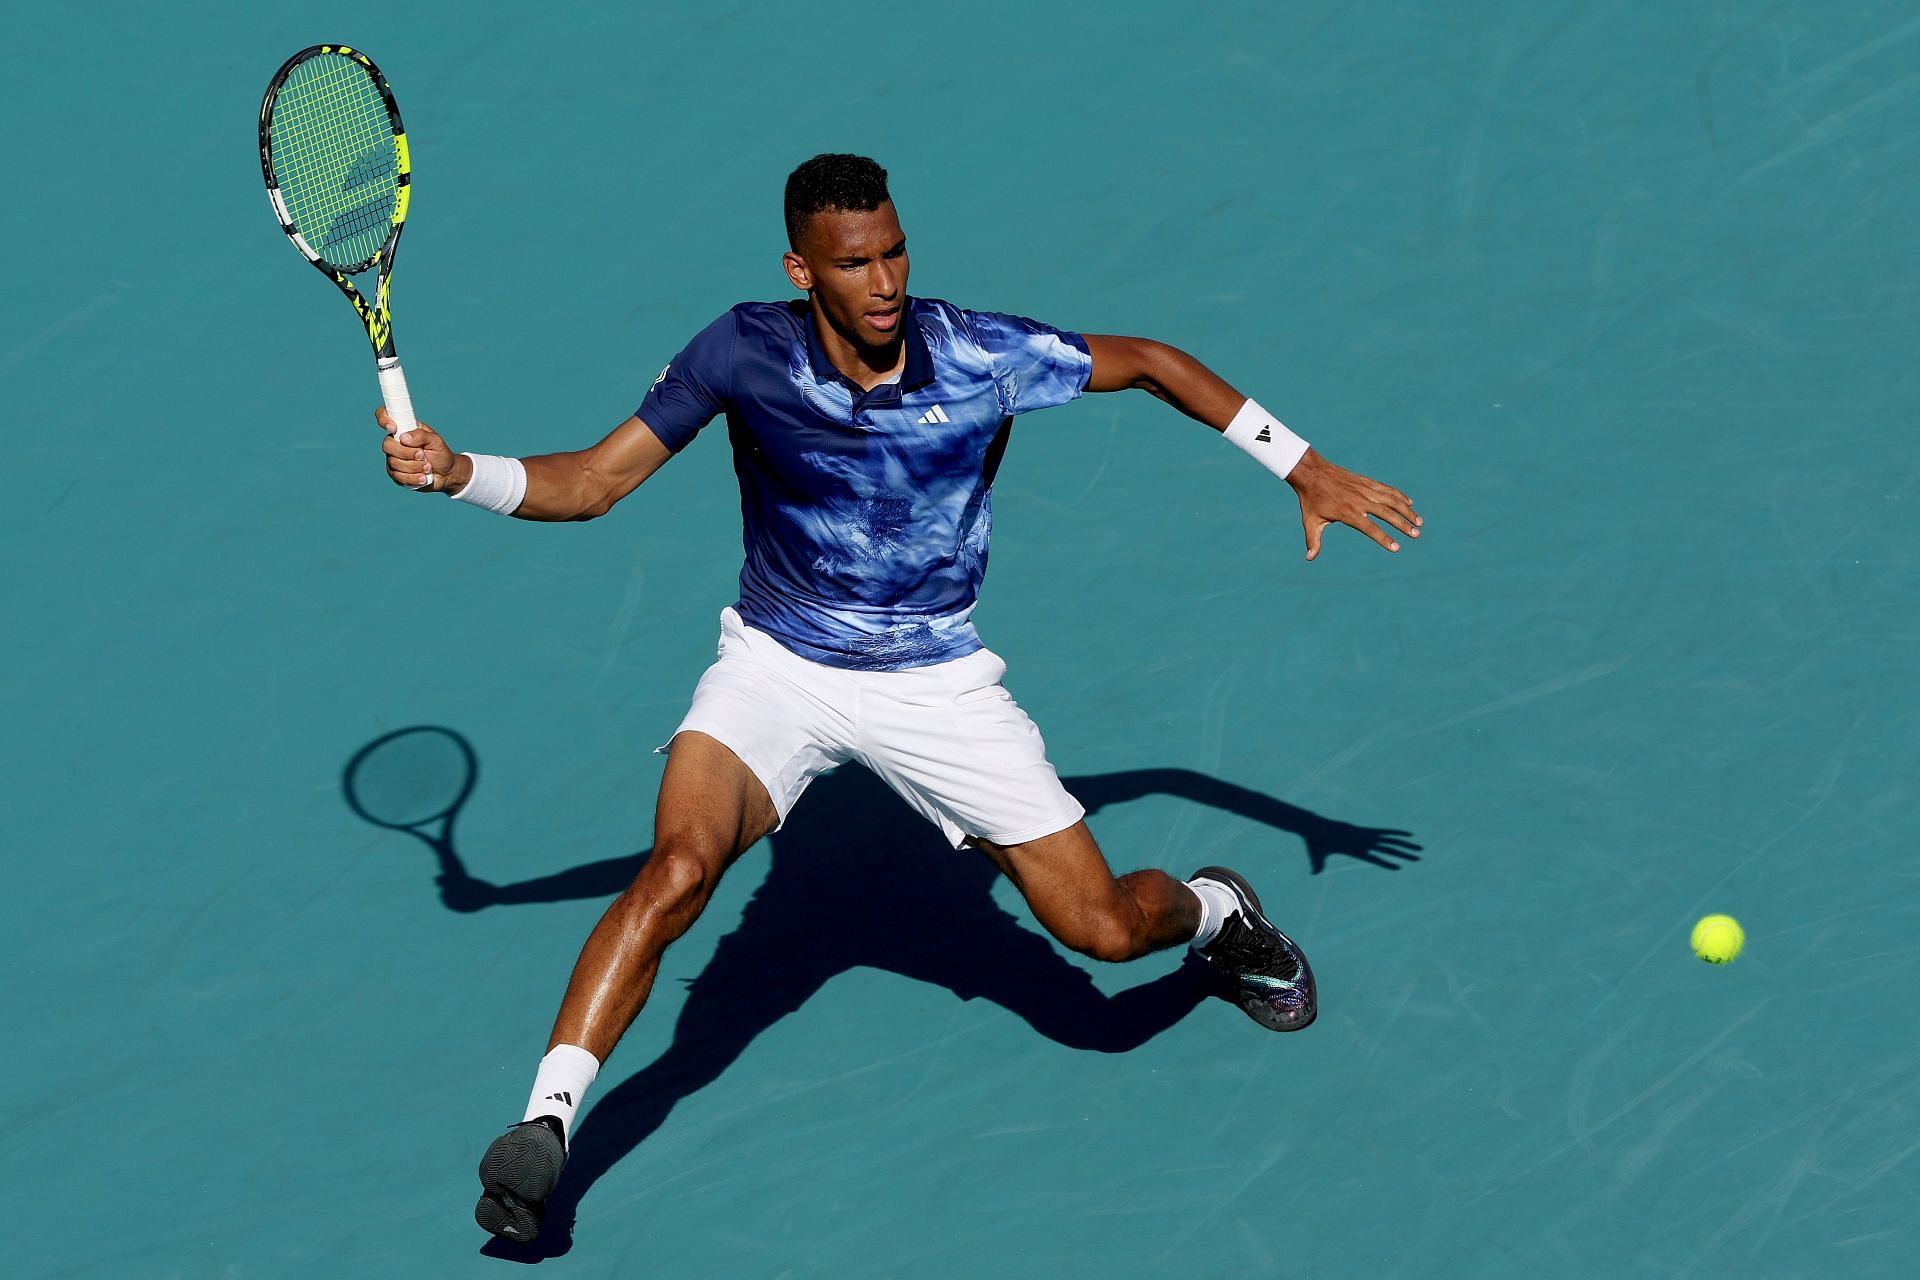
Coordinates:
(498, 484)
(1262, 435)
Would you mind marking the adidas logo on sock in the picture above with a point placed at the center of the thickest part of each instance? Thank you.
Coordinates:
(561, 1097)
(935, 414)
(1265, 436)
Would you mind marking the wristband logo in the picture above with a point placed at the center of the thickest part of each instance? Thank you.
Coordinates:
(1265, 436)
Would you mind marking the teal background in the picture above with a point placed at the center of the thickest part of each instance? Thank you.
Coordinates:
(1624, 295)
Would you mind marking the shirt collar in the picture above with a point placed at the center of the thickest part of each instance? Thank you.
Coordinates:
(917, 373)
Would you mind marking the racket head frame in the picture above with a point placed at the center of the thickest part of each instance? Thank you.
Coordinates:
(375, 316)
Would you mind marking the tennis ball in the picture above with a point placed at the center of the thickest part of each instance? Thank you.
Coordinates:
(1718, 939)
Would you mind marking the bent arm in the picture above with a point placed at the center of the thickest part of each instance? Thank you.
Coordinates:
(584, 483)
(1122, 364)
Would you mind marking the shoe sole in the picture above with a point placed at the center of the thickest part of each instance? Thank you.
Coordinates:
(517, 1174)
(1253, 1005)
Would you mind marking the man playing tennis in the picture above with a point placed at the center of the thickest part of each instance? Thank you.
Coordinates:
(867, 425)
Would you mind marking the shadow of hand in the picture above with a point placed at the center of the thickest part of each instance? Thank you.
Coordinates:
(1385, 847)
(462, 892)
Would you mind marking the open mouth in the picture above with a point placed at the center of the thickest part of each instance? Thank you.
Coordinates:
(885, 319)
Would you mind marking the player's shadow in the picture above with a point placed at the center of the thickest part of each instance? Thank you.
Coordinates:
(856, 879)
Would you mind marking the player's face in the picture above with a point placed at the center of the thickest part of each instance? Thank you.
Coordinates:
(855, 266)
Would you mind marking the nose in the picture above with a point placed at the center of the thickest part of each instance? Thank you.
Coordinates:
(883, 281)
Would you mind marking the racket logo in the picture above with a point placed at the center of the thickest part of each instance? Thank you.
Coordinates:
(351, 222)
(375, 165)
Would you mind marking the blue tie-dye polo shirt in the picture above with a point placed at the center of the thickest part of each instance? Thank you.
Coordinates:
(866, 513)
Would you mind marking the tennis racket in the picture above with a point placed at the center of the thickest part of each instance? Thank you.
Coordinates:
(335, 158)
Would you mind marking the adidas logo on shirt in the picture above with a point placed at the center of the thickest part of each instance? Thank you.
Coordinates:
(935, 414)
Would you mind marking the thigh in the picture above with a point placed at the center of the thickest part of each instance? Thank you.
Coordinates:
(1064, 877)
(710, 801)
(776, 715)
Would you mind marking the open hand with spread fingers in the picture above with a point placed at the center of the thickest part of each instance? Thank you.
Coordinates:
(1330, 494)
(418, 459)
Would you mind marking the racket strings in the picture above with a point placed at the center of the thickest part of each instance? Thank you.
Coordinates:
(335, 158)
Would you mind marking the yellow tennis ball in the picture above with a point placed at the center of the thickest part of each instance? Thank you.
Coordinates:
(1718, 939)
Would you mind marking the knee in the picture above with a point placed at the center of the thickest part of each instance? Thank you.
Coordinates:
(679, 874)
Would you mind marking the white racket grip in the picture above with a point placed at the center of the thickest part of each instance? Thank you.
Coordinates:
(393, 390)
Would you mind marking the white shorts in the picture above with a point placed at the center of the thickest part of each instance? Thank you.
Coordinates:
(948, 738)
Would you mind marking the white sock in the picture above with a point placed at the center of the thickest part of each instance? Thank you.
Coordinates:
(560, 1086)
(1216, 904)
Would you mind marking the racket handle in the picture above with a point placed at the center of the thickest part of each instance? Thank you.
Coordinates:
(393, 390)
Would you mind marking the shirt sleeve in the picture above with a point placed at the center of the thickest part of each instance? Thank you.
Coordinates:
(1036, 366)
(694, 388)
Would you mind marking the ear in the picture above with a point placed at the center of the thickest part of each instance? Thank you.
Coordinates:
(798, 274)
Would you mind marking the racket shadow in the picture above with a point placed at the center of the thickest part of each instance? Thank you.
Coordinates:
(901, 901)
(416, 780)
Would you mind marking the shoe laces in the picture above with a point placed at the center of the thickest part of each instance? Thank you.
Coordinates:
(1245, 947)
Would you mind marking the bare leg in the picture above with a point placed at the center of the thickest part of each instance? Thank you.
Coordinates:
(711, 810)
(1066, 881)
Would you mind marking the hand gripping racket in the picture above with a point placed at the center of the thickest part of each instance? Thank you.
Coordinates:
(335, 158)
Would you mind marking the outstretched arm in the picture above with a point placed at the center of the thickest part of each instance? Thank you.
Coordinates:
(1327, 493)
(578, 485)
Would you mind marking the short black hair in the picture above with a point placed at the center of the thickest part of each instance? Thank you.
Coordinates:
(832, 181)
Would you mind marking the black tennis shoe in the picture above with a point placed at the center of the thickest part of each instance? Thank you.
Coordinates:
(1272, 982)
(517, 1175)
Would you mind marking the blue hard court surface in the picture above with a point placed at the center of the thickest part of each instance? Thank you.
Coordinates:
(1624, 295)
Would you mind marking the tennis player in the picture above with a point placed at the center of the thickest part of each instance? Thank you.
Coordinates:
(867, 425)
